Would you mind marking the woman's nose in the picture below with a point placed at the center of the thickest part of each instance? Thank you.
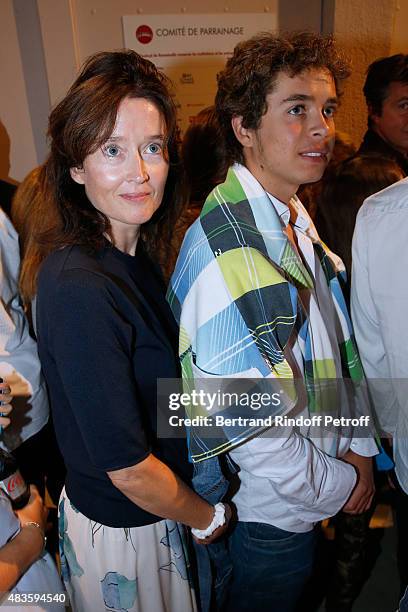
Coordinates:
(137, 170)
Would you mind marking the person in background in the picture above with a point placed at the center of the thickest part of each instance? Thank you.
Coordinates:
(203, 159)
(25, 567)
(39, 458)
(106, 334)
(257, 295)
(386, 94)
(26, 214)
(343, 193)
(380, 161)
(203, 156)
(379, 299)
(19, 363)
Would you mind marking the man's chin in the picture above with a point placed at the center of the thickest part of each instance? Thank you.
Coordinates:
(313, 178)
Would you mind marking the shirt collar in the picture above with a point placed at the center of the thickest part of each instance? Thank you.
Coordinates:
(302, 221)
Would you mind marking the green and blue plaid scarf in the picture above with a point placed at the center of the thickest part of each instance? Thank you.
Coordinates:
(234, 292)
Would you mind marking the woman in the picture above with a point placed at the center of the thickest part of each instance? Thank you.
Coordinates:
(105, 335)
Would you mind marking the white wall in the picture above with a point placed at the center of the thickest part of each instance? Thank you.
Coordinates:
(58, 29)
(71, 30)
(399, 42)
(365, 30)
(17, 149)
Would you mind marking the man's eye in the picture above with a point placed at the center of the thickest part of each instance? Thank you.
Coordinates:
(297, 110)
(112, 151)
(330, 111)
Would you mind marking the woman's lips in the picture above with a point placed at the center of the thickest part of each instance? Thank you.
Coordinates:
(135, 197)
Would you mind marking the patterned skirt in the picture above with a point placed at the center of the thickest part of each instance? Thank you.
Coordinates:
(138, 569)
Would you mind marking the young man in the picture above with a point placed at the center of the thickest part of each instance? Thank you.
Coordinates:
(386, 94)
(257, 296)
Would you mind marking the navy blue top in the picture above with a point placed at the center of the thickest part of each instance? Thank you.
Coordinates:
(105, 334)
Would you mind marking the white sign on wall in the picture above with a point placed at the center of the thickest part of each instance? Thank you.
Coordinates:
(192, 49)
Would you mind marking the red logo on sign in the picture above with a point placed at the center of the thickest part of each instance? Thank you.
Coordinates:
(144, 34)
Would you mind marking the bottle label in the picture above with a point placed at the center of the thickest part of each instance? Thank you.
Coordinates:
(13, 485)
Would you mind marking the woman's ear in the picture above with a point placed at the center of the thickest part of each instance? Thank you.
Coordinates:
(77, 175)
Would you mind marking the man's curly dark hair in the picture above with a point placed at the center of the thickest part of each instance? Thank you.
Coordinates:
(251, 73)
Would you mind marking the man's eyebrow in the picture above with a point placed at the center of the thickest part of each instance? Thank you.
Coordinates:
(305, 98)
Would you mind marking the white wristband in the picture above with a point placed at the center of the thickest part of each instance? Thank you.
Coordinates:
(218, 520)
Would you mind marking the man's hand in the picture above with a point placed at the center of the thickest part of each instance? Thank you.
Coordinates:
(219, 531)
(362, 495)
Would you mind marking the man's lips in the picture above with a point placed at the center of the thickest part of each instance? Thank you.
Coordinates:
(314, 154)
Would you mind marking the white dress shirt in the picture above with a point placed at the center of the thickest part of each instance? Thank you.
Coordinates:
(379, 305)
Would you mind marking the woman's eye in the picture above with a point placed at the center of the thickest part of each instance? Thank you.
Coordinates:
(153, 148)
(112, 151)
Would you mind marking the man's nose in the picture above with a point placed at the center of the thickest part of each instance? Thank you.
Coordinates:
(321, 125)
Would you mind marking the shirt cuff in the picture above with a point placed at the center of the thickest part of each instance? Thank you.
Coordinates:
(366, 447)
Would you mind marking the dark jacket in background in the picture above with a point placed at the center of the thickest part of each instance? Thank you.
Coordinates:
(373, 144)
